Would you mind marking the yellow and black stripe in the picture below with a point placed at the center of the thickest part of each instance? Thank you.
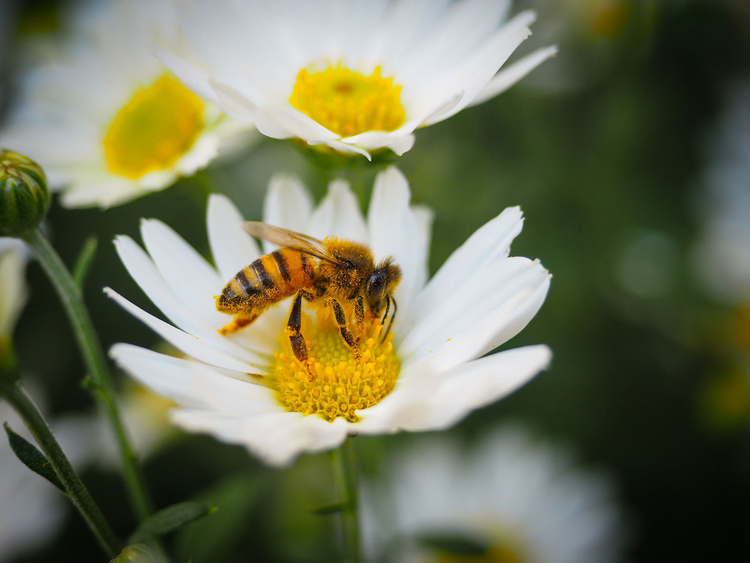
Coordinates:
(269, 279)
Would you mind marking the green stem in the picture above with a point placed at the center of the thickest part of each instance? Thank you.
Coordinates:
(75, 488)
(96, 363)
(345, 471)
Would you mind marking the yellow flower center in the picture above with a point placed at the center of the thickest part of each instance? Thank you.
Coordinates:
(348, 102)
(336, 385)
(157, 126)
(499, 554)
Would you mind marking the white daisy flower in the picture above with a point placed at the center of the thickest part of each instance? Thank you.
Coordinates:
(248, 388)
(517, 500)
(356, 77)
(13, 290)
(105, 118)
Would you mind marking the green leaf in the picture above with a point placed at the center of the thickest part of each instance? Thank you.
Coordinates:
(32, 458)
(84, 261)
(330, 509)
(168, 519)
(215, 539)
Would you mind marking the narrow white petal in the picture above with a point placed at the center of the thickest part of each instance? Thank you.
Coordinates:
(487, 244)
(188, 73)
(450, 397)
(185, 343)
(234, 103)
(288, 205)
(491, 319)
(192, 384)
(515, 72)
(394, 232)
(276, 438)
(402, 145)
(339, 215)
(191, 278)
(231, 247)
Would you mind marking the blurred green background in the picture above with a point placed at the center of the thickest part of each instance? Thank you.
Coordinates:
(604, 148)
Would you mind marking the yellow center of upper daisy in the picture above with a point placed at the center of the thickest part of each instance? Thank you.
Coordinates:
(156, 128)
(348, 102)
(337, 384)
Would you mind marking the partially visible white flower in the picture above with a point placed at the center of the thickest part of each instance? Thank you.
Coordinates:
(426, 375)
(521, 499)
(13, 290)
(722, 255)
(105, 118)
(352, 76)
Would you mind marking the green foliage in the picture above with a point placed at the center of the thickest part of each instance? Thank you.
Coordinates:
(32, 458)
(84, 261)
(168, 520)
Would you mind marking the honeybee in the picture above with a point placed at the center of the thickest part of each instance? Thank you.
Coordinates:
(326, 272)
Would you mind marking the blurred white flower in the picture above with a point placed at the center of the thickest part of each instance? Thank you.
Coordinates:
(105, 118)
(355, 77)
(722, 255)
(522, 501)
(424, 376)
(13, 290)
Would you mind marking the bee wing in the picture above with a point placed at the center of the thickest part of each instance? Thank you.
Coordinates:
(289, 239)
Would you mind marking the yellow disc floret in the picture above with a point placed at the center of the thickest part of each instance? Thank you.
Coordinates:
(336, 384)
(157, 126)
(348, 102)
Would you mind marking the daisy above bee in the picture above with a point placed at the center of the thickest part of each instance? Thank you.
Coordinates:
(326, 272)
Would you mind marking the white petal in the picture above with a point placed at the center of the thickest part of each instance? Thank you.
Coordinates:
(276, 438)
(191, 278)
(234, 103)
(288, 205)
(394, 231)
(339, 215)
(402, 145)
(192, 384)
(231, 247)
(481, 320)
(488, 243)
(188, 73)
(515, 72)
(454, 395)
(472, 75)
(144, 272)
(185, 343)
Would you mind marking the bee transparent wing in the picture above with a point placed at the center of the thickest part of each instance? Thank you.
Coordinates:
(289, 239)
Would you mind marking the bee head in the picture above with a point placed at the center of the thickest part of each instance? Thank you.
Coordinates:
(381, 283)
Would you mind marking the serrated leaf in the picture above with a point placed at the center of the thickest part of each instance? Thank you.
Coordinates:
(32, 458)
(330, 509)
(168, 519)
(84, 261)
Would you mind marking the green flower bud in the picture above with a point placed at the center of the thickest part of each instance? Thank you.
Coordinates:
(24, 197)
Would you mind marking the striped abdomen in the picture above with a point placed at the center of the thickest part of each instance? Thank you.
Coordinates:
(266, 281)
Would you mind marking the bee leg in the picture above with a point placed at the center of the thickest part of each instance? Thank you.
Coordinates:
(238, 322)
(393, 316)
(340, 316)
(293, 330)
(385, 316)
(359, 316)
